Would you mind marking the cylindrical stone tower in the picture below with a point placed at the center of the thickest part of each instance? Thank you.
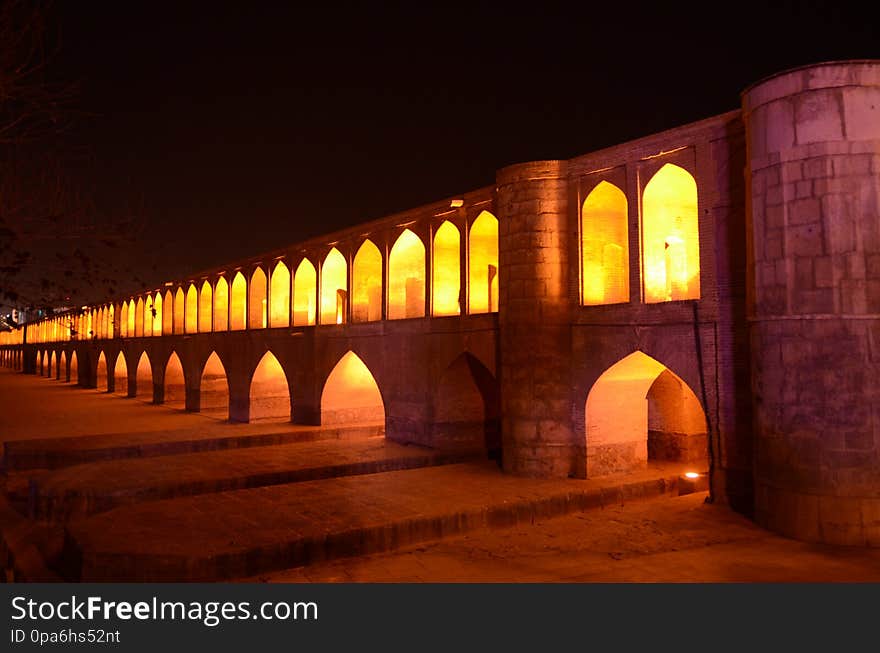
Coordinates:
(814, 224)
(534, 319)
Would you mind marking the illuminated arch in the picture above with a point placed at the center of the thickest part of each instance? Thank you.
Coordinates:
(639, 410)
(305, 291)
(168, 314)
(238, 303)
(214, 388)
(446, 272)
(483, 264)
(175, 383)
(351, 394)
(111, 316)
(101, 373)
(73, 369)
(206, 302)
(53, 365)
(159, 317)
(221, 305)
(123, 321)
(132, 320)
(144, 378)
(334, 288)
(120, 375)
(138, 318)
(406, 277)
(62, 367)
(605, 246)
(279, 296)
(191, 315)
(179, 311)
(670, 236)
(258, 310)
(149, 321)
(366, 284)
(269, 392)
(102, 328)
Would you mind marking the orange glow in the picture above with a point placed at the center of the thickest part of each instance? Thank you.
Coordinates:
(101, 373)
(406, 277)
(191, 317)
(205, 304)
(148, 316)
(138, 318)
(144, 378)
(670, 238)
(179, 311)
(258, 313)
(214, 394)
(74, 368)
(168, 314)
(269, 393)
(120, 376)
(366, 284)
(62, 366)
(691, 475)
(111, 329)
(175, 383)
(53, 365)
(351, 394)
(305, 289)
(334, 288)
(279, 296)
(483, 264)
(157, 320)
(221, 305)
(132, 320)
(605, 246)
(123, 322)
(238, 303)
(446, 279)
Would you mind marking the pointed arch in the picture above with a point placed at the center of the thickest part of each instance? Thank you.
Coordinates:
(467, 407)
(632, 399)
(257, 301)
(214, 388)
(144, 378)
(446, 271)
(483, 264)
(269, 391)
(53, 365)
(120, 375)
(279, 296)
(168, 314)
(157, 314)
(139, 318)
(238, 303)
(73, 369)
(206, 302)
(148, 317)
(101, 373)
(175, 383)
(191, 311)
(179, 310)
(366, 284)
(406, 277)
(221, 305)
(334, 288)
(305, 291)
(62, 367)
(123, 320)
(604, 246)
(670, 236)
(132, 319)
(351, 394)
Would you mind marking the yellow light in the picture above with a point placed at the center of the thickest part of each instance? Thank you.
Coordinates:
(456, 204)
(691, 475)
(604, 246)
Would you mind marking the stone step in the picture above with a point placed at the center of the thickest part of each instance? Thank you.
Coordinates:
(80, 490)
(54, 453)
(246, 532)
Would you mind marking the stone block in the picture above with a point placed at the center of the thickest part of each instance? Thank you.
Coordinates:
(817, 117)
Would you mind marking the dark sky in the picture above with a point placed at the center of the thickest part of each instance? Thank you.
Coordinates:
(250, 125)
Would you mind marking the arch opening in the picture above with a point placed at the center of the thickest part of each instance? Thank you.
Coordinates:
(214, 389)
(406, 277)
(138, 318)
(120, 376)
(123, 320)
(351, 394)
(132, 320)
(175, 383)
(179, 311)
(334, 288)
(467, 408)
(62, 367)
(604, 246)
(144, 378)
(101, 373)
(238, 303)
(366, 284)
(73, 369)
(639, 411)
(446, 271)
(206, 302)
(279, 296)
(156, 314)
(191, 315)
(670, 236)
(305, 291)
(483, 264)
(53, 365)
(269, 392)
(168, 314)
(257, 302)
(221, 305)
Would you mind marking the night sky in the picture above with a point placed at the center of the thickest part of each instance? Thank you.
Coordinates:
(243, 127)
